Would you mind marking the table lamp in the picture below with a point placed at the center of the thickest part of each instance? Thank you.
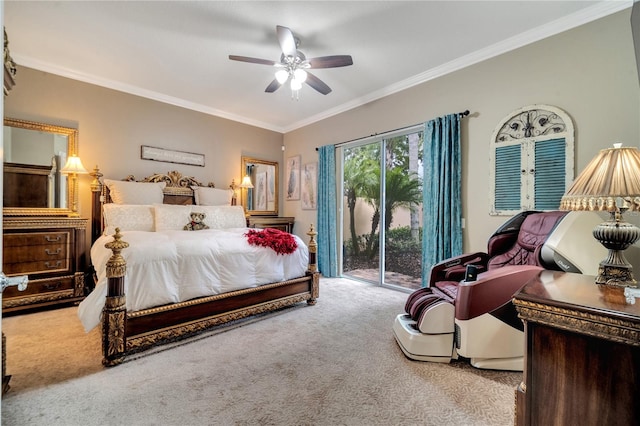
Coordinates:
(73, 168)
(610, 182)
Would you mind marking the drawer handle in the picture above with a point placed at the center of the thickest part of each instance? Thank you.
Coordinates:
(52, 240)
(57, 264)
(53, 253)
(52, 286)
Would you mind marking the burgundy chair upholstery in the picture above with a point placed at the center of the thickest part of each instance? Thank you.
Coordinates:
(533, 233)
(517, 242)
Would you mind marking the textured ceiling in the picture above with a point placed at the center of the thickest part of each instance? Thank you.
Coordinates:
(177, 51)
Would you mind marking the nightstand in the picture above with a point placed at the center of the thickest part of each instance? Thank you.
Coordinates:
(276, 222)
(52, 252)
(582, 355)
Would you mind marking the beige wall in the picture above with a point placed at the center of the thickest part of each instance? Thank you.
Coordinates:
(113, 125)
(589, 72)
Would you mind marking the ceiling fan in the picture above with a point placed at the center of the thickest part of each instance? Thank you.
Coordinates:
(293, 65)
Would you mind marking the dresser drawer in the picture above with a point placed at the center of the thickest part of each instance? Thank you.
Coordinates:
(54, 238)
(51, 250)
(37, 253)
(47, 285)
(39, 267)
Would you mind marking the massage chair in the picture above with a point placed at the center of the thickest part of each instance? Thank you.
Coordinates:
(466, 310)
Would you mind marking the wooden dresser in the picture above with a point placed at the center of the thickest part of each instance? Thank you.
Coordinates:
(52, 252)
(276, 222)
(582, 360)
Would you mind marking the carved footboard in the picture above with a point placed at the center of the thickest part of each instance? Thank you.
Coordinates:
(125, 333)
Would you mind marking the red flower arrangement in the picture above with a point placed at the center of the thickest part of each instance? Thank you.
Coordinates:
(279, 241)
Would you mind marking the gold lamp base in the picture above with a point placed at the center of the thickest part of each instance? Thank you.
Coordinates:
(616, 236)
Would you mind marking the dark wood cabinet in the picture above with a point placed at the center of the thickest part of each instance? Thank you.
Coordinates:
(582, 360)
(52, 252)
(277, 222)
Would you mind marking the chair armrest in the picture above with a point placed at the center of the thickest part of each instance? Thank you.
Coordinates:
(492, 289)
(454, 268)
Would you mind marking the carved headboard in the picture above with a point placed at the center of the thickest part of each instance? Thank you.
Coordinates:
(177, 190)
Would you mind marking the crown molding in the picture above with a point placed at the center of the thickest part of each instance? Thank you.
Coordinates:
(600, 10)
(30, 62)
(597, 11)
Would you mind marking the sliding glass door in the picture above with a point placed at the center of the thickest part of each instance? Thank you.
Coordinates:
(382, 209)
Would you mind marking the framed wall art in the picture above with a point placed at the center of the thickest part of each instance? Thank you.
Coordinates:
(170, 156)
(309, 186)
(292, 178)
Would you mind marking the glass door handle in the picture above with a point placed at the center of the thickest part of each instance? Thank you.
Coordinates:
(20, 281)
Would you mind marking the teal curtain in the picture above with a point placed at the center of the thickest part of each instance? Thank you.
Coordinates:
(442, 201)
(327, 233)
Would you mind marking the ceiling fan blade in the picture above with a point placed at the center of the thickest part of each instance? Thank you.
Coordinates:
(317, 84)
(287, 41)
(330, 61)
(252, 60)
(273, 86)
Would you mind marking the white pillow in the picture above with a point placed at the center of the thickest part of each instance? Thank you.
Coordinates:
(171, 217)
(222, 217)
(127, 217)
(123, 192)
(205, 196)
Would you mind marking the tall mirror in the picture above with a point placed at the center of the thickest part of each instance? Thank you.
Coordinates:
(34, 154)
(259, 186)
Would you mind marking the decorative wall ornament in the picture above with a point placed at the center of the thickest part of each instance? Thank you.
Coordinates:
(531, 160)
(171, 156)
(531, 123)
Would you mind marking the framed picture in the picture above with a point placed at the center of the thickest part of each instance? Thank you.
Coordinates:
(171, 156)
(261, 191)
(309, 187)
(292, 178)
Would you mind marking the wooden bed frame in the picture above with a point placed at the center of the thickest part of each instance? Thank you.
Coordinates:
(125, 333)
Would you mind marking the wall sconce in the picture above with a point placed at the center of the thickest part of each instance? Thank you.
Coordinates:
(73, 168)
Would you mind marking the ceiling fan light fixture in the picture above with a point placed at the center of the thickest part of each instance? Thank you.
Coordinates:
(300, 75)
(296, 84)
(282, 76)
(293, 63)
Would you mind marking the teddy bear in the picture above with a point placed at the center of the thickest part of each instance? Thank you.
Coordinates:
(196, 223)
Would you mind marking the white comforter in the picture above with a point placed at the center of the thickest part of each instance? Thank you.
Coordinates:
(174, 266)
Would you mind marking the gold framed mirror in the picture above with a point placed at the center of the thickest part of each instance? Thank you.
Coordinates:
(34, 154)
(260, 197)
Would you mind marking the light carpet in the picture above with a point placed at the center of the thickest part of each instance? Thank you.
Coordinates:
(336, 363)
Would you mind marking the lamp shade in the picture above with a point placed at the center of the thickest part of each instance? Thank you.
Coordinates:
(246, 182)
(614, 173)
(74, 165)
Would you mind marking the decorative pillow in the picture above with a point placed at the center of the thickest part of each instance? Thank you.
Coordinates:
(127, 217)
(170, 217)
(123, 192)
(205, 196)
(223, 217)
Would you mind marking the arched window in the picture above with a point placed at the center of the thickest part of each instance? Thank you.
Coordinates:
(531, 160)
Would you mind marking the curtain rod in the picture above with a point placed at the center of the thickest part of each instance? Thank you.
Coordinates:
(461, 114)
